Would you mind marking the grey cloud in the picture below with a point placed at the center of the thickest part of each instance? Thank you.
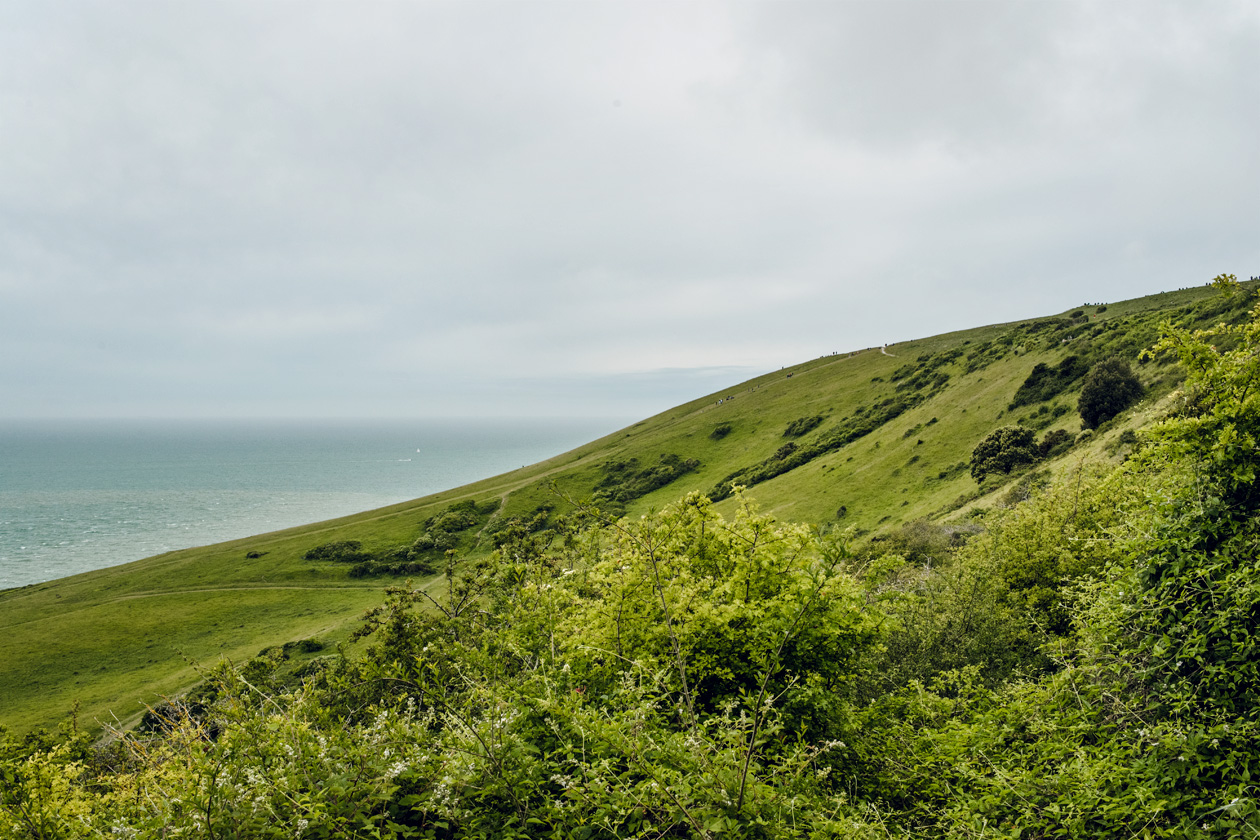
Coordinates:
(401, 208)
(980, 76)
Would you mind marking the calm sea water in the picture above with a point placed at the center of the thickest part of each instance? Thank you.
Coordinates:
(77, 496)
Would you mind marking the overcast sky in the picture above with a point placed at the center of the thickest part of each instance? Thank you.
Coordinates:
(596, 208)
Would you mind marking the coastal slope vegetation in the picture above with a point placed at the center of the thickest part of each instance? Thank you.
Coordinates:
(1068, 654)
(870, 442)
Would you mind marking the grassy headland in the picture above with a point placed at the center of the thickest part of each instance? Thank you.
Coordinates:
(868, 440)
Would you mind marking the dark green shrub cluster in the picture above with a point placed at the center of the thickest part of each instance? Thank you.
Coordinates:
(720, 431)
(1045, 333)
(442, 532)
(423, 566)
(1124, 337)
(1046, 382)
(1109, 389)
(348, 551)
(431, 541)
(784, 451)
(1003, 450)
(304, 646)
(925, 372)
(624, 481)
(916, 428)
(1055, 443)
(171, 712)
(293, 647)
(985, 354)
(952, 471)
(802, 426)
(790, 456)
(396, 561)
(1008, 449)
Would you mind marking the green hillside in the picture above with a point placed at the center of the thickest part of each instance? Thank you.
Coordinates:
(868, 440)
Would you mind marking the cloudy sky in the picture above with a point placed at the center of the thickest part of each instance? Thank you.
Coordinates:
(400, 209)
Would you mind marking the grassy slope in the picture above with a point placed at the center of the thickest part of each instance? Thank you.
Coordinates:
(117, 638)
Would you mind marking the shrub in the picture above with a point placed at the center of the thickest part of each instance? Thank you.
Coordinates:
(625, 481)
(1003, 451)
(1054, 442)
(441, 531)
(1110, 387)
(349, 551)
(455, 518)
(802, 425)
(435, 540)
(1045, 382)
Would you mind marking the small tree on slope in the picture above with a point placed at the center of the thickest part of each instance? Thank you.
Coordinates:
(1003, 451)
(1110, 387)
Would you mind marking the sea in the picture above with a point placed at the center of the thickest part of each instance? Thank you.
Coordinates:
(82, 495)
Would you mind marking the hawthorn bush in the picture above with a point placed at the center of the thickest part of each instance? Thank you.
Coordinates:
(1110, 387)
(1004, 450)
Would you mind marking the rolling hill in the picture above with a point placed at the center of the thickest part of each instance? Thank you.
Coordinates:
(868, 440)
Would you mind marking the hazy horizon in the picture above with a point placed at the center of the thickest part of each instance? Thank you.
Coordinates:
(248, 209)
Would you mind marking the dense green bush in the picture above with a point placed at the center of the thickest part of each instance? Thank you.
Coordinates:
(1110, 387)
(624, 481)
(1003, 450)
(720, 431)
(348, 551)
(439, 533)
(802, 426)
(1055, 442)
(1046, 382)
(422, 567)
